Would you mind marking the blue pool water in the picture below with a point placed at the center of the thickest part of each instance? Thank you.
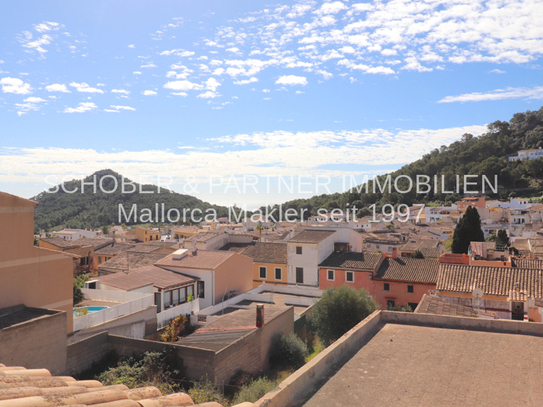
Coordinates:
(92, 309)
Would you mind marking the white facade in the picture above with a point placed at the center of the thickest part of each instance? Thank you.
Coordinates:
(528, 155)
(76, 234)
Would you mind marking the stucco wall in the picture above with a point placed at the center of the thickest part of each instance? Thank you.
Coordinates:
(37, 343)
(398, 292)
(235, 273)
(270, 274)
(362, 279)
(29, 275)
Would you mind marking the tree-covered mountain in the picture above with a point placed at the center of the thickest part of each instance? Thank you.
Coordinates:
(484, 155)
(58, 208)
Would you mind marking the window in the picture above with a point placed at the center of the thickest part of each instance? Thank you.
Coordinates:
(278, 273)
(330, 276)
(391, 304)
(201, 289)
(99, 259)
(262, 272)
(189, 292)
(387, 287)
(349, 276)
(299, 275)
(182, 295)
(412, 305)
(410, 289)
(175, 299)
(298, 250)
(167, 299)
(377, 246)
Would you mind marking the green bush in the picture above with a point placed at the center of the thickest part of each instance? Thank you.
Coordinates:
(205, 392)
(288, 352)
(340, 310)
(255, 390)
(153, 369)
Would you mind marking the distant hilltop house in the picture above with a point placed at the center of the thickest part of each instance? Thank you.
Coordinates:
(527, 154)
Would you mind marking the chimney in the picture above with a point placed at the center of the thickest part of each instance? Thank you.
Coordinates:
(194, 249)
(394, 252)
(259, 316)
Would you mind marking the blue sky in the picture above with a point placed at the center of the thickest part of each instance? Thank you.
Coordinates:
(228, 88)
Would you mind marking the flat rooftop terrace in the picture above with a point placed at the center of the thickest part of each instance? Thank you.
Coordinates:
(413, 365)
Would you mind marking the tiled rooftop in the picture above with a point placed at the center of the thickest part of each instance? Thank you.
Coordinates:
(37, 387)
(264, 252)
(498, 281)
(145, 276)
(127, 260)
(438, 306)
(204, 259)
(114, 249)
(311, 236)
(352, 260)
(62, 243)
(408, 269)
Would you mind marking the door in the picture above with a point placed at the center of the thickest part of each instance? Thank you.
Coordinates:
(299, 275)
(158, 302)
(517, 311)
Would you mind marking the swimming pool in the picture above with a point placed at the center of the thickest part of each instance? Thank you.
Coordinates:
(89, 309)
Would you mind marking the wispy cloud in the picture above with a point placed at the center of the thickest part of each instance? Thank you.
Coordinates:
(498, 94)
(85, 88)
(81, 108)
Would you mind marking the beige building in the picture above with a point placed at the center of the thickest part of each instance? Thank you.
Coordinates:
(29, 275)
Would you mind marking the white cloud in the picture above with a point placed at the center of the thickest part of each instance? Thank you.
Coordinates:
(46, 26)
(149, 65)
(209, 95)
(212, 84)
(498, 71)
(180, 94)
(15, 85)
(292, 80)
(85, 88)
(245, 82)
(148, 93)
(116, 107)
(57, 87)
(131, 46)
(331, 8)
(266, 90)
(33, 99)
(177, 52)
(81, 108)
(136, 73)
(124, 92)
(182, 85)
(498, 94)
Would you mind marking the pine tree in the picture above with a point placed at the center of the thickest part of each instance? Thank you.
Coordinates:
(468, 230)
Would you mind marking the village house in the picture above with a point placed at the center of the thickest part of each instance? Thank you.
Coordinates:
(353, 269)
(269, 263)
(220, 274)
(82, 255)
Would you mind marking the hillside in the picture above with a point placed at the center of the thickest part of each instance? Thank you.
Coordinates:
(93, 210)
(483, 155)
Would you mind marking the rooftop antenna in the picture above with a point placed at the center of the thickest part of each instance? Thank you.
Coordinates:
(478, 294)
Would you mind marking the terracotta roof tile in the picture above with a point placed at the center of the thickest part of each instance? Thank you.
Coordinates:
(264, 252)
(204, 259)
(408, 269)
(144, 276)
(358, 261)
(130, 260)
(498, 281)
(311, 236)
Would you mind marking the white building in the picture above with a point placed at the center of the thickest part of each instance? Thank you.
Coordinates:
(527, 155)
(76, 234)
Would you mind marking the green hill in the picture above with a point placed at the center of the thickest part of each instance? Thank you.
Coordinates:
(483, 155)
(58, 208)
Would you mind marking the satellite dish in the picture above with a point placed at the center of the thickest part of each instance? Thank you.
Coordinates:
(477, 293)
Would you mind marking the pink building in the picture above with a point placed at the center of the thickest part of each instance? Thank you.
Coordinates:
(353, 269)
(403, 281)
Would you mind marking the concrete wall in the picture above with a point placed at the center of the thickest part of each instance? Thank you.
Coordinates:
(251, 353)
(198, 362)
(37, 343)
(82, 354)
(29, 275)
(137, 324)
